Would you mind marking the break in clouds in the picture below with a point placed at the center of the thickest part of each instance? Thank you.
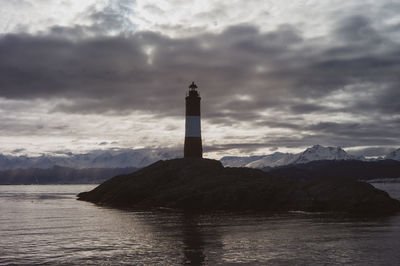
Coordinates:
(261, 89)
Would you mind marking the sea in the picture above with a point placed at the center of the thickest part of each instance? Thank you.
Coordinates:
(46, 225)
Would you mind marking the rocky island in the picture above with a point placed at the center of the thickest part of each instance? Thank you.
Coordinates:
(195, 184)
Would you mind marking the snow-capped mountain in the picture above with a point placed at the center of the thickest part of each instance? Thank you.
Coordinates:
(394, 155)
(95, 159)
(318, 152)
(139, 158)
(273, 160)
(314, 153)
(237, 161)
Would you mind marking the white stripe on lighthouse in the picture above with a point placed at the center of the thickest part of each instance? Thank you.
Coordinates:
(193, 128)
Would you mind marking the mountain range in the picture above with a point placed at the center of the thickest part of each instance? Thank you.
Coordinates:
(121, 158)
(100, 165)
(314, 153)
(139, 158)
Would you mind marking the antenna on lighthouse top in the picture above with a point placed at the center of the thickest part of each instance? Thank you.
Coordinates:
(193, 86)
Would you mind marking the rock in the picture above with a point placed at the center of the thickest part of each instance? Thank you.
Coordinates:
(204, 184)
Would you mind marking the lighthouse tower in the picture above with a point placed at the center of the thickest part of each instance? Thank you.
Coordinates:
(193, 146)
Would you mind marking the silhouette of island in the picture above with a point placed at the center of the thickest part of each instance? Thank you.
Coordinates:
(196, 184)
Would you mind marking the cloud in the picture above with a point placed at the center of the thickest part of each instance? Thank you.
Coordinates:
(330, 90)
(243, 148)
(148, 71)
(371, 151)
(118, 68)
(113, 18)
(18, 150)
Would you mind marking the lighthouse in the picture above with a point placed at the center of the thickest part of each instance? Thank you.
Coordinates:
(193, 146)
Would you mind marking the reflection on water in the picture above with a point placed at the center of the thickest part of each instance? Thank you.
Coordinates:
(193, 241)
(46, 225)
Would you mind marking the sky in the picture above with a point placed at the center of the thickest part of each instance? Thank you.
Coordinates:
(274, 76)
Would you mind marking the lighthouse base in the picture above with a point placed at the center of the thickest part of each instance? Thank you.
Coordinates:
(193, 147)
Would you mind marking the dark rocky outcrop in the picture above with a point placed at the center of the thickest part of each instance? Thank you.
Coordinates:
(203, 184)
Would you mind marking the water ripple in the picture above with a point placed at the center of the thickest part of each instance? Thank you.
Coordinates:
(46, 225)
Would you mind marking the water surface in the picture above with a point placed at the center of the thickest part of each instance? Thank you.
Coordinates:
(45, 224)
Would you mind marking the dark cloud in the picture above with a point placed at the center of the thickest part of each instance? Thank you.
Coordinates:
(305, 108)
(336, 134)
(241, 72)
(148, 71)
(105, 74)
(243, 148)
(357, 29)
(379, 133)
(371, 151)
(61, 127)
